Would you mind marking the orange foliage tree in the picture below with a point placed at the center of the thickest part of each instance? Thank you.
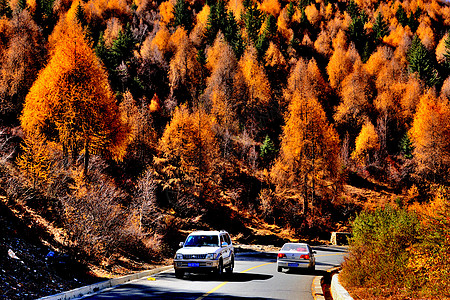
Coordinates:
(258, 86)
(340, 64)
(367, 144)
(306, 79)
(20, 63)
(35, 160)
(71, 102)
(308, 158)
(357, 93)
(430, 134)
(189, 147)
(219, 97)
(184, 68)
(272, 7)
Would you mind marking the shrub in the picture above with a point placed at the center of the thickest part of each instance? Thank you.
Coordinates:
(379, 247)
(429, 261)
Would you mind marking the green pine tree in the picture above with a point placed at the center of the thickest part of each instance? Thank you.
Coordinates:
(270, 28)
(291, 10)
(380, 28)
(267, 149)
(80, 15)
(233, 36)
(446, 65)
(253, 19)
(182, 15)
(401, 15)
(217, 20)
(302, 4)
(358, 35)
(22, 5)
(122, 47)
(406, 147)
(420, 62)
(353, 9)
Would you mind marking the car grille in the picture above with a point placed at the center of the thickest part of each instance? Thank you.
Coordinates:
(194, 256)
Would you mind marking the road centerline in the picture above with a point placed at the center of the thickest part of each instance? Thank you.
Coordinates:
(225, 282)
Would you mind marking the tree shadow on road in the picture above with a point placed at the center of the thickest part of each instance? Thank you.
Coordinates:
(141, 291)
(234, 277)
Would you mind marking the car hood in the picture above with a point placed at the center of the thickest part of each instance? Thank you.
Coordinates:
(197, 250)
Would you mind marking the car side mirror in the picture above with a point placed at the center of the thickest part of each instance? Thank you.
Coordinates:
(181, 244)
(314, 252)
(224, 244)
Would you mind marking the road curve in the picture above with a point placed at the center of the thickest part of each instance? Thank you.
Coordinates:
(255, 277)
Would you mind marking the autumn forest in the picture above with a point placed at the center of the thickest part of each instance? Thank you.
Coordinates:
(126, 122)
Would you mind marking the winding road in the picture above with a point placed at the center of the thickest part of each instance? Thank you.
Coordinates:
(255, 277)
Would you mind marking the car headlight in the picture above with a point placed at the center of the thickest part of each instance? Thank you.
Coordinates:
(211, 256)
(178, 256)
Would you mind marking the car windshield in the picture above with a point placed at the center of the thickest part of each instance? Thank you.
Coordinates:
(295, 247)
(202, 241)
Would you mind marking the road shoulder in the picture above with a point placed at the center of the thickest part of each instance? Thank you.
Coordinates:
(96, 288)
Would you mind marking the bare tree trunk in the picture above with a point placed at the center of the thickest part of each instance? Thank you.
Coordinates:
(86, 157)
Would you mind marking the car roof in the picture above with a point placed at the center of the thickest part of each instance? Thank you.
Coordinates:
(300, 244)
(207, 232)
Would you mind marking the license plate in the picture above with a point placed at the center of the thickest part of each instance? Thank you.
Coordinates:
(292, 265)
(193, 265)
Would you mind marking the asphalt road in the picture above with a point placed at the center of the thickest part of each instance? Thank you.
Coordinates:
(255, 277)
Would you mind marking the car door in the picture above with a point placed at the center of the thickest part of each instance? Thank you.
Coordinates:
(311, 254)
(226, 255)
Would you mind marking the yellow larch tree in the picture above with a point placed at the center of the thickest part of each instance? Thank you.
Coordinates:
(413, 90)
(396, 36)
(237, 7)
(430, 135)
(283, 24)
(161, 40)
(341, 62)
(272, 7)
(445, 90)
(101, 10)
(35, 160)
(441, 49)
(274, 58)
(166, 11)
(377, 60)
(184, 69)
(357, 93)
(258, 86)
(426, 34)
(21, 57)
(189, 147)
(312, 14)
(308, 159)
(323, 43)
(72, 104)
(113, 27)
(220, 86)
(198, 33)
(367, 144)
(306, 79)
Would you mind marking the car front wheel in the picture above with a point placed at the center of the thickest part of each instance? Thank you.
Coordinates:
(230, 268)
(219, 269)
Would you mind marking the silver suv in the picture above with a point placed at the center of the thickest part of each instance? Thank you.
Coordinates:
(205, 251)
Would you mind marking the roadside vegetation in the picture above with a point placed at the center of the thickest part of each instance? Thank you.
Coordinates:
(124, 124)
(399, 252)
